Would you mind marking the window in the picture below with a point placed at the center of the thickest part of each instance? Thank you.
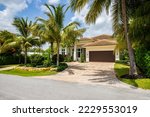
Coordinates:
(78, 53)
(72, 52)
(63, 51)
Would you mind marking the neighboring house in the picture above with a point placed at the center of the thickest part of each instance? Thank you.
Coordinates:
(96, 49)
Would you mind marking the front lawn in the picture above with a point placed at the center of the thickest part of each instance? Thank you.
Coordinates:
(27, 73)
(122, 69)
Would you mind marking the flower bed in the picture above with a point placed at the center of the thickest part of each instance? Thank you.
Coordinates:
(36, 69)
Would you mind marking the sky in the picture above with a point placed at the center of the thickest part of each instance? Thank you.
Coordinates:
(35, 8)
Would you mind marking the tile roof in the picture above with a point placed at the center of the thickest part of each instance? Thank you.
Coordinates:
(100, 40)
(101, 43)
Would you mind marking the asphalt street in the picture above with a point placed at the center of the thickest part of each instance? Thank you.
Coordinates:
(22, 88)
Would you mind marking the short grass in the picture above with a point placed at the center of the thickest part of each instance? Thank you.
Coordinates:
(27, 73)
(122, 69)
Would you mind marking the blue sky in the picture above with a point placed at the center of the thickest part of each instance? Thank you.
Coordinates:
(34, 8)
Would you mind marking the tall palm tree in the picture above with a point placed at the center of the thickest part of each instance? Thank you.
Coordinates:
(46, 34)
(56, 15)
(56, 23)
(24, 28)
(119, 7)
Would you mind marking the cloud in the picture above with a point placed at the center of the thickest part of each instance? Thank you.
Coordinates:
(103, 23)
(12, 7)
(43, 8)
(53, 2)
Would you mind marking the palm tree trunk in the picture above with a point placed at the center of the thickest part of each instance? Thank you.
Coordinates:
(133, 69)
(58, 46)
(25, 59)
(52, 49)
(49, 54)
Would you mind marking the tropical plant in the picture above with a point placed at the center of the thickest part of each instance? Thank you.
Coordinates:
(36, 60)
(9, 43)
(71, 35)
(56, 15)
(140, 23)
(24, 28)
(46, 34)
(55, 23)
(119, 15)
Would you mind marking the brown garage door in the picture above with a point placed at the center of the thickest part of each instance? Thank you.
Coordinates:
(101, 56)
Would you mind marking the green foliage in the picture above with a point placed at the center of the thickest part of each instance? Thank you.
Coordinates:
(140, 23)
(96, 8)
(124, 55)
(143, 60)
(122, 69)
(36, 60)
(82, 58)
(68, 58)
(24, 27)
(54, 59)
(9, 43)
(46, 63)
(122, 61)
(46, 54)
(10, 59)
(147, 62)
(61, 67)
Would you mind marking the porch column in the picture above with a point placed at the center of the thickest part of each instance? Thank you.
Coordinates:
(87, 56)
(117, 55)
(75, 52)
(66, 51)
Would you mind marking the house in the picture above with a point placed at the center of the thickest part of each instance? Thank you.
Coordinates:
(96, 49)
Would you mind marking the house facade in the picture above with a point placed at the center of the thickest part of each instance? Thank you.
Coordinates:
(96, 49)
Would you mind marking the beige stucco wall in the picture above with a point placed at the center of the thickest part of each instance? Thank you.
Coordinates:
(100, 48)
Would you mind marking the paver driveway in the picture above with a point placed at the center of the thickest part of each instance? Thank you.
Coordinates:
(89, 73)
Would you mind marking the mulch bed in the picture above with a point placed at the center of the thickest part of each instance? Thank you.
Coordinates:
(127, 76)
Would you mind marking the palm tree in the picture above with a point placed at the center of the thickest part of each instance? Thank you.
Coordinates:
(56, 16)
(140, 23)
(24, 28)
(9, 43)
(46, 34)
(119, 9)
(71, 35)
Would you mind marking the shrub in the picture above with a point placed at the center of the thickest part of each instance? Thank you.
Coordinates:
(62, 67)
(147, 62)
(82, 58)
(68, 58)
(142, 57)
(124, 55)
(10, 59)
(36, 60)
(122, 61)
(54, 58)
(46, 63)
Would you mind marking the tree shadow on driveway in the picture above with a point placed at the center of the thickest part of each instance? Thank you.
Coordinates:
(71, 69)
(103, 76)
